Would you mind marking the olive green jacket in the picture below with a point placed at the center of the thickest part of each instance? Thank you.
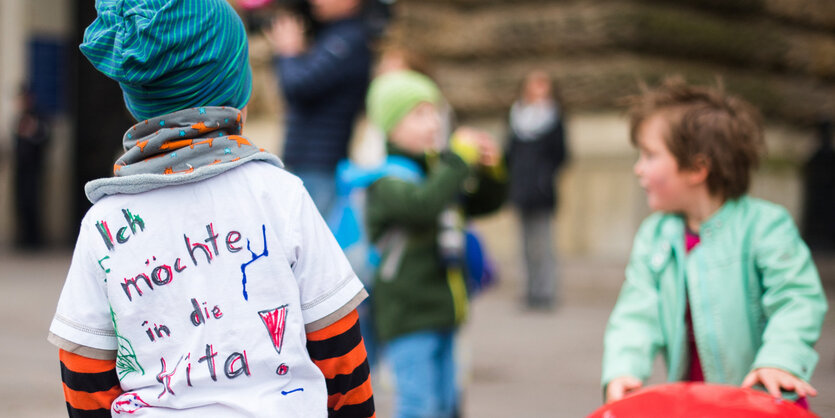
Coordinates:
(755, 297)
(419, 295)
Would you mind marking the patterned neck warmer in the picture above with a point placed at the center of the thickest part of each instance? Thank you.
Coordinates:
(530, 120)
(182, 147)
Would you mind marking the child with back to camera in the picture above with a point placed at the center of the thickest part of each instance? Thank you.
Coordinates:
(719, 282)
(204, 282)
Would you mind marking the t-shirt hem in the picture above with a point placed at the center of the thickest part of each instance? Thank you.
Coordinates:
(332, 301)
(338, 314)
(82, 335)
(81, 350)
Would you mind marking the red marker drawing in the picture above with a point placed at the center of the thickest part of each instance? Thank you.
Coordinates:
(275, 321)
(128, 403)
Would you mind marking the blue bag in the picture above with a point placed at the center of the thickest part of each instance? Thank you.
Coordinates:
(480, 271)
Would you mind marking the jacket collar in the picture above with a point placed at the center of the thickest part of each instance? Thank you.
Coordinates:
(720, 219)
(673, 228)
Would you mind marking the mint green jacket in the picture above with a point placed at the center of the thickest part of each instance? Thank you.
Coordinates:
(755, 297)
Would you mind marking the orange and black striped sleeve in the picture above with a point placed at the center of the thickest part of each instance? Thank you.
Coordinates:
(90, 385)
(338, 350)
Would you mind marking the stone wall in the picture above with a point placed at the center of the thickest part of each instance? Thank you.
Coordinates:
(780, 54)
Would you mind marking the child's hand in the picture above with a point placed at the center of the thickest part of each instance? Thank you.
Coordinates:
(774, 379)
(464, 143)
(479, 145)
(620, 386)
(286, 35)
(490, 154)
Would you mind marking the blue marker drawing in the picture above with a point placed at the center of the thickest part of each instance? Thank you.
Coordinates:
(254, 257)
(285, 393)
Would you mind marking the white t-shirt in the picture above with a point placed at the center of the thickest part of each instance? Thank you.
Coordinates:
(205, 290)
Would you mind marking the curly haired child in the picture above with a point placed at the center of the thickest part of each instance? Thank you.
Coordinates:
(718, 282)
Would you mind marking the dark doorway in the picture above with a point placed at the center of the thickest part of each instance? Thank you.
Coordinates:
(99, 114)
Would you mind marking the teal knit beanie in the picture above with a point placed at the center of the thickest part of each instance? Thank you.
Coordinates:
(170, 55)
(392, 96)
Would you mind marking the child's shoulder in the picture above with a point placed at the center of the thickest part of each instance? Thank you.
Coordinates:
(270, 177)
(758, 216)
(387, 188)
(752, 206)
(764, 219)
(260, 184)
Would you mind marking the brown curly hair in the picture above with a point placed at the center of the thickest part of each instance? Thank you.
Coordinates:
(705, 126)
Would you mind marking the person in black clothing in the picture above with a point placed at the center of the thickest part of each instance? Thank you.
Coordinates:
(536, 150)
(819, 192)
(31, 137)
(324, 87)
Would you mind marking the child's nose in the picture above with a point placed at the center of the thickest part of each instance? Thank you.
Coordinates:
(637, 168)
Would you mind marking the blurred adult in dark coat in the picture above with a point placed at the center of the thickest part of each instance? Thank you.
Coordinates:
(31, 136)
(324, 86)
(536, 151)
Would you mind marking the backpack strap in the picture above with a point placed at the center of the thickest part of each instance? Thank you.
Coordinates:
(393, 241)
(350, 175)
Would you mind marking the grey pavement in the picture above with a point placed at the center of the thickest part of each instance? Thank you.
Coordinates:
(515, 363)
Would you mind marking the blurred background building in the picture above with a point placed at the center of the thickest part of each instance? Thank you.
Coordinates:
(780, 54)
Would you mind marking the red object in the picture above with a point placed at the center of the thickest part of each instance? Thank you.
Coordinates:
(697, 400)
(253, 4)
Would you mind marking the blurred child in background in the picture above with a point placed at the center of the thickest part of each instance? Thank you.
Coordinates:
(718, 282)
(420, 295)
(368, 161)
(536, 151)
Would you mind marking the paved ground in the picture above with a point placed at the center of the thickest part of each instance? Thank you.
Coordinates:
(517, 363)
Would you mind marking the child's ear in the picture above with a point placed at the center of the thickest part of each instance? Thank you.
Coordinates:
(700, 170)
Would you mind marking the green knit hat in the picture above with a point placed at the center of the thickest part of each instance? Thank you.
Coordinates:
(170, 55)
(392, 96)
